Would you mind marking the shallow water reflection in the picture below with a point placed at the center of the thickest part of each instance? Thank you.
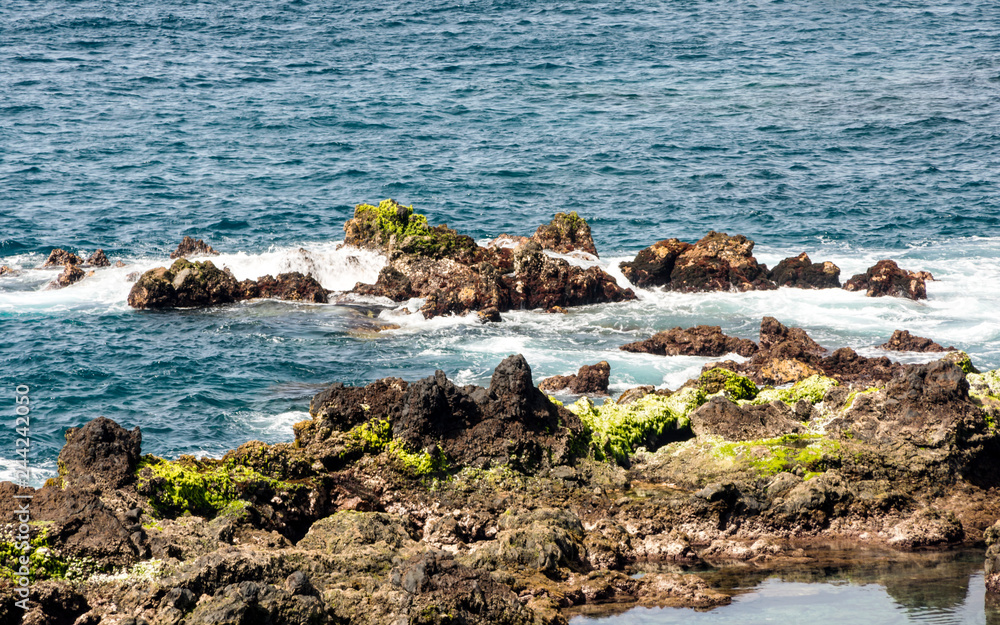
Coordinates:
(887, 589)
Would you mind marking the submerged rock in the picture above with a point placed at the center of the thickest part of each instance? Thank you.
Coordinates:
(61, 257)
(567, 232)
(801, 273)
(903, 341)
(885, 278)
(696, 341)
(98, 259)
(190, 247)
(590, 379)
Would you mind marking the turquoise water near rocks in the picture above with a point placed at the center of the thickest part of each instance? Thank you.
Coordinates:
(851, 130)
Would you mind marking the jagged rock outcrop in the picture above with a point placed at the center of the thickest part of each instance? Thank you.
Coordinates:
(70, 275)
(455, 276)
(98, 259)
(903, 341)
(718, 262)
(198, 284)
(185, 284)
(589, 380)
(287, 286)
(721, 417)
(191, 247)
(801, 273)
(60, 256)
(885, 278)
(566, 233)
(696, 341)
(102, 449)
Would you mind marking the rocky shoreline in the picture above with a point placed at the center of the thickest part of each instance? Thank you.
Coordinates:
(427, 502)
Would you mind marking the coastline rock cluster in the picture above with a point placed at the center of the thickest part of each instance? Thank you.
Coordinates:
(428, 502)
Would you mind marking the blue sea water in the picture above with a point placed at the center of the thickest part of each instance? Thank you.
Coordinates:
(852, 130)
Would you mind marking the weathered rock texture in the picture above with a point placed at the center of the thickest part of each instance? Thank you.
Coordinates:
(718, 262)
(696, 341)
(992, 570)
(903, 341)
(71, 275)
(191, 247)
(188, 284)
(567, 232)
(61, 257)
(455, 276)
(800, 272)
(590, 380)
(885, 278)
(98, 259)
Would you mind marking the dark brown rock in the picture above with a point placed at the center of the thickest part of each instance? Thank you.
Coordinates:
(61, 257)
(566, 232)
(927, 405)
(292, 287)
(724, 418)
(847, 365)
(903, 341)
(780, 341)
(512, 422)
(70, 275)
(801, 273)
(653, 265)
(98, 259)
(992, 569)
(490, 315)
(696, 341)
(885, 278)
(185, 284)
(102, 449)
(719, 262)
(543, 282)
(589, 380)
(342, 407)
(190, 247)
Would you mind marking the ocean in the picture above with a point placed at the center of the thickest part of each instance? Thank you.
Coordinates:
(850, 130)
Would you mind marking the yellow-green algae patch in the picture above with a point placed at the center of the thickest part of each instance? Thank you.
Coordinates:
(375, 437)
(733, 385)
(854, 395)
(411, 231)
(812, 389)
(708, 458)
(986, 388)
(616, 431)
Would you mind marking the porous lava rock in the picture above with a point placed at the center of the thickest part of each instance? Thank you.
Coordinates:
(886, 278)
(102, 449)
(98, 259)
(185, 284)
(60, 256)
(801, 273)
(71, 275)
(191, 247)
(292, 286)
(567, 232)
(589, 380)
(721, 417)
(696, 341)
(903, 341)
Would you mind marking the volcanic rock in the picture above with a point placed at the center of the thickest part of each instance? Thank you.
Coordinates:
(392, 227)
(992, 537)
(718, 262)
(543, 282)
(723, 418)
(184, 284)
(98, 259)
(342, 407)
(102, 449)
(290, 286)
(589, 380)
(70, 275)
(903, 341)
(885, 278)
(61, 257)
(190, 247)
(696, 341)
(777, 340)
(801, 273)
(566, 232)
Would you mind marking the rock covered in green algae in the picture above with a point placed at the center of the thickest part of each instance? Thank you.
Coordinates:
(567, 232)
(392, 226)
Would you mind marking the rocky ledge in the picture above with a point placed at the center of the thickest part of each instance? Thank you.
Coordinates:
(428, 502)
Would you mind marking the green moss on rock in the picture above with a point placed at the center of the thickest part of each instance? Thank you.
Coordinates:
(391, 224)
(812, 389)
(804, 453)
(616, 431)
(734, 386)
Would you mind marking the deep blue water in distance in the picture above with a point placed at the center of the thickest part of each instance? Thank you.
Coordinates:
(851, 130)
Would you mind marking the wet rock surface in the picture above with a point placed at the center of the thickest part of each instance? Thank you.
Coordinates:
(70, 275)
(59, 257)
(455, 276)
(801, 273)
(590, 379)
(567, 232)
(903, 341)
(992, 568)
(886, 278)
(191, 247)
(696, 341)
(98, 259)
(426, 502)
